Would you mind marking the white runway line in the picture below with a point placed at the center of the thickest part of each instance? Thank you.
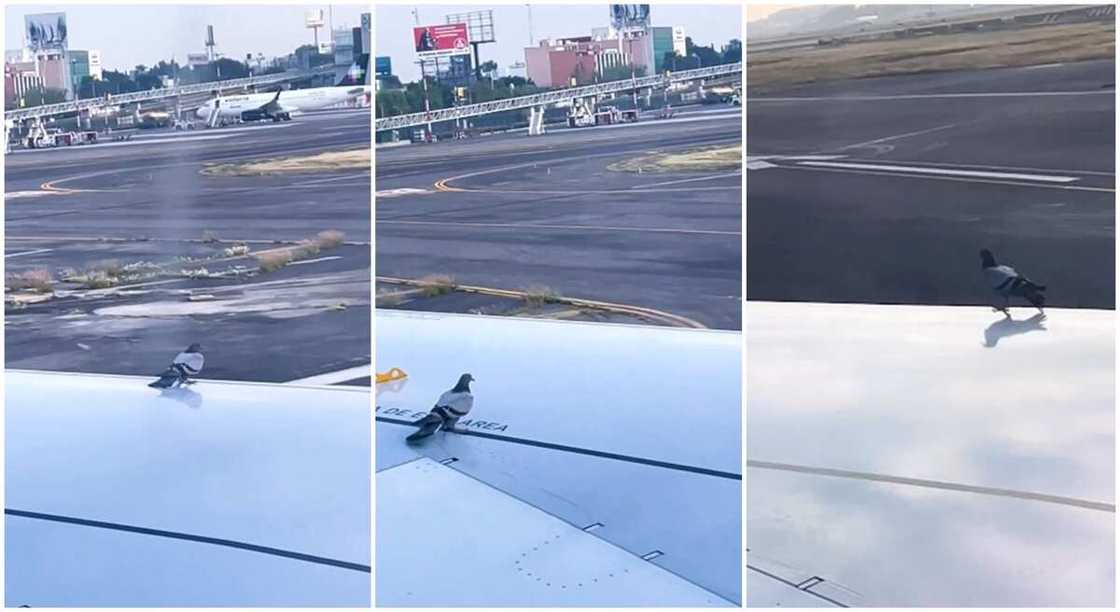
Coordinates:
(333, 378)
(316, 260)
(401, 191)
(35, 252)
(983, 166)
(13, 195)
(689, 180)
(995, 94)
(944, 171)
(899, 136)
(533, 226)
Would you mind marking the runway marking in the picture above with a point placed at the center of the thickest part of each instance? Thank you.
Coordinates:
(112, 239)
(690, 180)
(333, 378)
(14, 195)
(442, 184)
(943, 171)
(899, 136)
(316, 260)
(953, 178)
(933, 484)
(996, 94)
(403, 191)
(760, 162)
(987, 166)
(605, 228)
(34, 252)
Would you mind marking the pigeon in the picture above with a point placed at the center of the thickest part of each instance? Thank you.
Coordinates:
(452, 405)
(1006, 282)
(185, 364)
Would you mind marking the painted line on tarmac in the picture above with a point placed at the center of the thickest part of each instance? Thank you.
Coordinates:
(951, 178)
(692, 180)
(202, 164)
(443, 184)
(674, 320)
(933, 484)
(333, 378)
(316, 260)
(581, 228)
(402, 191)
(1046, 178)
(995, 94)
(899, 136)
(16, 195)
(34, 252)
(228, 241)
(982, 166)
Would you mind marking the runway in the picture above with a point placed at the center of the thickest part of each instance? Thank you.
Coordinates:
(883, 190)
(147, 200)
(512, 212)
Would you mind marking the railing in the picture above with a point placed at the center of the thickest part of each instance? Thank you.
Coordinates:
(552, 97)
(47, 110)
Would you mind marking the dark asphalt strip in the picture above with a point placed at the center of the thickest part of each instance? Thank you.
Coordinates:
(587, 451)
(277, 552)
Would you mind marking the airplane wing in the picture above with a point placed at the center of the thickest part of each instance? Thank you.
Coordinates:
(218, 494)
(911, 456)
(600, 465)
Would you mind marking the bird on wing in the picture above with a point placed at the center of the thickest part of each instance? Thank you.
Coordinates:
(186, 364)
(452, 405)
(1008, 283)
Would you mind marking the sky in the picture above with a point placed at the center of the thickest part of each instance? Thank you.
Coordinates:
(705, 24)
(762, 11)
(128, 35)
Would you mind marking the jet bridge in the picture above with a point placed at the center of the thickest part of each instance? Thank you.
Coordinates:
(544, 99)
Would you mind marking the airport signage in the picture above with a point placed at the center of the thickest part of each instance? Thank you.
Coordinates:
(45, 31)
(442, 40)
(383, 65)
(625, 17)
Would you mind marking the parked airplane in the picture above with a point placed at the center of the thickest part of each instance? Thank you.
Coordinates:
(278, 105)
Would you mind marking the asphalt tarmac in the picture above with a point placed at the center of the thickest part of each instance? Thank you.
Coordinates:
(884, 190)
(145, 200)
(514, 212)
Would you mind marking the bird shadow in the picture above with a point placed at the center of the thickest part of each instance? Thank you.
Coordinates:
(184, 396)
(1007, 327)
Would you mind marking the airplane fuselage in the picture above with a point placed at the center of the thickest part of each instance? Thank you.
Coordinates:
(269, 105)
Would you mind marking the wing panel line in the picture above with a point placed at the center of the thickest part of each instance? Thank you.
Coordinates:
(268, 550)
(586, 451)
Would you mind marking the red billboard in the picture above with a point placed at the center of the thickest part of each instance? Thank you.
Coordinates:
(441, 40)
